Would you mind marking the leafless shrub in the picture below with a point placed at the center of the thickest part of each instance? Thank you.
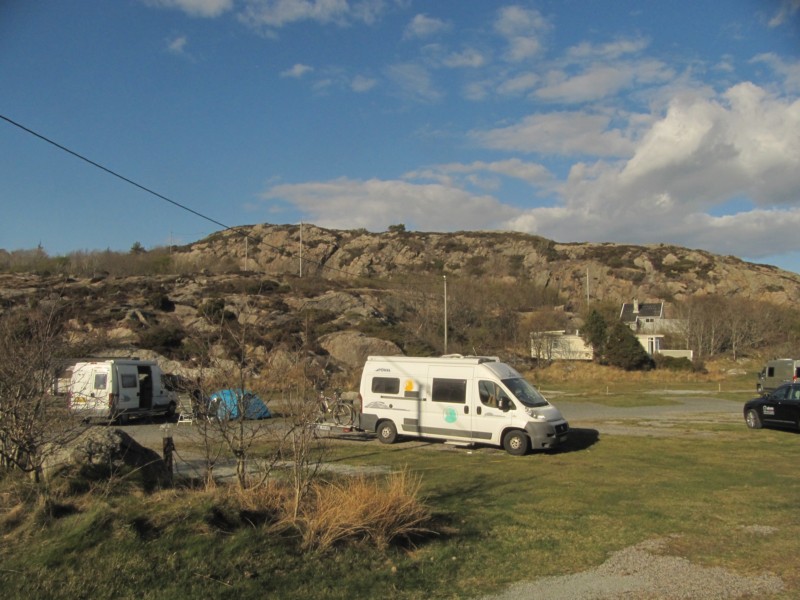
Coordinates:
(34, 421)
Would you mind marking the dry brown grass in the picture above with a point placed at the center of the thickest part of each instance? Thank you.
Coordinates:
(361, 508)
(357, 509)
(574, 371)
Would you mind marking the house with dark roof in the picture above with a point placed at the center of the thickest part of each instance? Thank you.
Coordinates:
(643, 317)
(646, 320)
(649, 322)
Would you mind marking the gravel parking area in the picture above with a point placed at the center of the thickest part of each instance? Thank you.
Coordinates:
(643, 572)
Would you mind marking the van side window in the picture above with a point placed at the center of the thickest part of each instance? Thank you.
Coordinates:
(100, 381)
(385, 385)
(487, 390)
(129, 380)
(770, 371)
(449, 390)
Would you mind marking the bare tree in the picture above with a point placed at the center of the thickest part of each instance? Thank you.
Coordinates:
(228, 363)
(34, 421)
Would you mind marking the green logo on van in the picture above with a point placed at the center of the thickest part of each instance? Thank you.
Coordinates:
(450, 415)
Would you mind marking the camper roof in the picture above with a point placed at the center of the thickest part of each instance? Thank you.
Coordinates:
(470, 360)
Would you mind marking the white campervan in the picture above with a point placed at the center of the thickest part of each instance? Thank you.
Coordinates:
(119, 388)
(468, 399)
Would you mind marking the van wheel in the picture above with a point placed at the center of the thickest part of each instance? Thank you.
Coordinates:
(752, 419)
(170, 410)
(387, 432)
(516, 442)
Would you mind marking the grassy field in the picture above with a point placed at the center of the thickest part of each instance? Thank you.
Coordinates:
(725, 497)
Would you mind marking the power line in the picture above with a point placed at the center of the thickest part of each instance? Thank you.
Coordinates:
(238, 230)
(111, 172)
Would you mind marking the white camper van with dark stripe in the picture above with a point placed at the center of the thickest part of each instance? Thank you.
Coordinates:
(461, 399)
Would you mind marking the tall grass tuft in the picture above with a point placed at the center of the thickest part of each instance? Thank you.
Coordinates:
(379, 511)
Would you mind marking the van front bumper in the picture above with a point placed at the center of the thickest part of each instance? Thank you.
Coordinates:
(547, 434)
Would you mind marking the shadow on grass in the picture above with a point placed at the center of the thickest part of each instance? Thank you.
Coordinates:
(402, 445)
(577, 440)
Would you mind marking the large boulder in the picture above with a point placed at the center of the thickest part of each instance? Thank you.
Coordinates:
(352, 348)
(102, 452)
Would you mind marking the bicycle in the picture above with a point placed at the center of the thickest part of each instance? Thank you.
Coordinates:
(334, 410)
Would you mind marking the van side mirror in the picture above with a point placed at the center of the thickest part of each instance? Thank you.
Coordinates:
(503, 404)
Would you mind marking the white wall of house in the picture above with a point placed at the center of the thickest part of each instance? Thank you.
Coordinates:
(679, 353)
(559, 345)
(650, 342)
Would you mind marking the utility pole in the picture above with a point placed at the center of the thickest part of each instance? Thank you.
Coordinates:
(587, 287)
(301, 249)
(445, 313)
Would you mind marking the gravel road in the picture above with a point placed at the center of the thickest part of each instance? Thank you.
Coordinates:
(643, 572)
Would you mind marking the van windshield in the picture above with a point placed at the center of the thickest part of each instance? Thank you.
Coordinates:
(525, 392)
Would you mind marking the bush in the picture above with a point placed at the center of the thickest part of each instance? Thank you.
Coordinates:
(164, 339)
(673, 364)
(160, 301)
(364, 509)
(623, 350)
(214, 311)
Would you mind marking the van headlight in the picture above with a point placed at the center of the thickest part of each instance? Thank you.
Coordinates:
(534, 414)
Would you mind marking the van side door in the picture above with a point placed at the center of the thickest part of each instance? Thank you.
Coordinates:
(493, 411)
(448, 411)
(145, 375)
(126, 388)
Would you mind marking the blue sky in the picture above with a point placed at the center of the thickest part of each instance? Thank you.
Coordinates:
(578, 120)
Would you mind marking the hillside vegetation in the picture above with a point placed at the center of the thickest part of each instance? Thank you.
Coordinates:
(286, 294)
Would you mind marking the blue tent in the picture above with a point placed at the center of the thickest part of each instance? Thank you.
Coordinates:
(225, 404)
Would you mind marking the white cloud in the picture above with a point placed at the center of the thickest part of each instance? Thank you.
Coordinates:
(177, 45)
(362, 84)
(375, 204)
(518, 84)
(522, 28)
(560, 133)
(673, 184)
(790, 71)
(466, 58)
(709, 149)
(787, 10)
(422, 26)
(599, 81)
(703, 153)
(594, 84)
(533, 174)
(195, 8)
(414, 82)
(297, 71)
(611, 50)
(279, 13)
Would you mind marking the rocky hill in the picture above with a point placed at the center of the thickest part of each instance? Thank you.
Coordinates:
(615, 272)
(241, 293)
